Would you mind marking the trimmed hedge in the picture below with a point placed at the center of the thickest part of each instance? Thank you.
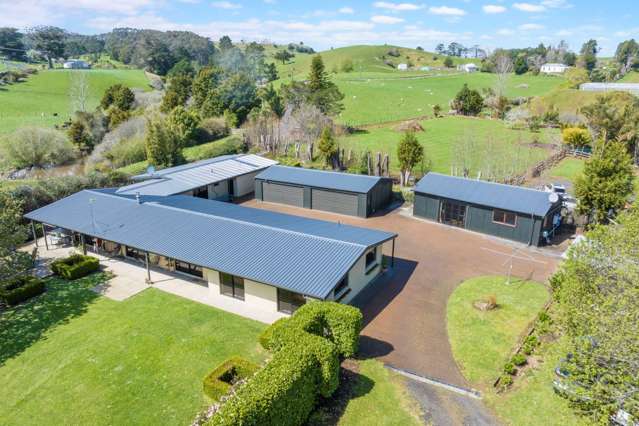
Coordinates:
(305, 365)
(20, 289)
(219, 381)
(75, 266)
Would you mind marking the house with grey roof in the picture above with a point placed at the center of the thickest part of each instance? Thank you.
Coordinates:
(271, 261)
(220, 178)
(516, 213)
(344, 193)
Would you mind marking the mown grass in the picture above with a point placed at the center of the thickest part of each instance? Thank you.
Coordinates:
(73, 357)
(482, 341)
(369, 101)
(440, 136)
(568, 168)
(36, 100)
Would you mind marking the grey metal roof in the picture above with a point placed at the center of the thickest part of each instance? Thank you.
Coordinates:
(303, 255)
(606, 87)
(320, 178)
(490, 194)
(176, 180)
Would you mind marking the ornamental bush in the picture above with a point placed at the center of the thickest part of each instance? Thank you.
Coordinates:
(305, 365)
(219, 381)
(75, 266)
(509, 368)
(20, 289)
(518, 360)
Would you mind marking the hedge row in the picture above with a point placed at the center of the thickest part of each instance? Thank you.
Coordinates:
(20, 289)
(75, 266)
(305, 366)
(219, 381)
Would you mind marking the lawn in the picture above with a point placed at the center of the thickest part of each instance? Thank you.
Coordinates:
(482, 341)
(492, 142)
(377, 100)
(35, 101)
(73, 357)
(568, 168)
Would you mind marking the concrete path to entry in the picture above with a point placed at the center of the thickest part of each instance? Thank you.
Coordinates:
(405, 310)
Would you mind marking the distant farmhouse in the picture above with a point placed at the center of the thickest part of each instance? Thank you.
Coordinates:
(402, 67)
(468, 67)
(553, 68)
(632, 88)
(76, 64)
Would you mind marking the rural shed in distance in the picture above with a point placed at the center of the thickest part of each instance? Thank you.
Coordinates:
(344, 193)
(506, 211)
(220, 178)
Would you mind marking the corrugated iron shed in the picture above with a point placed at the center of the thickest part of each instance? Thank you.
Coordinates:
(490, 194)
(303, 255)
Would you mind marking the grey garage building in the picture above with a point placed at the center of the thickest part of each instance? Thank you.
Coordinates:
(512, 212)
(344, 193)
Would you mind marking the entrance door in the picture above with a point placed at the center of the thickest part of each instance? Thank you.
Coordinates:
(453, 214)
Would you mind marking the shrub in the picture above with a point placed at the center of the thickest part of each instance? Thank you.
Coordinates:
(211, 129)
(20, 289)
(127, 151)
(530, 344)
(518, 360)
(219, 381)
(505, 381)
(509, 368)
(468, 101)
(118, 96)
(116, 116)
(75, 266)
(576, 137)
(223, 147)
(35, 146)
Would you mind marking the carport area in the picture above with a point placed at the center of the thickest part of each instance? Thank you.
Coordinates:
(405, 310)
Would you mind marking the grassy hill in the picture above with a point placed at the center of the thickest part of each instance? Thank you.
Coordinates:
(365, 59)
(35, 101)
(631, 77)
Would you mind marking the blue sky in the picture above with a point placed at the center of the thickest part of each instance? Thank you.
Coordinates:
(330, 23)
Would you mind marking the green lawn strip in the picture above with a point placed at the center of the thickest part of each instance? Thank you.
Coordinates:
(36, 100)
(531, 401)
(440, 136)
(73, 357)
(482, 341)
(379, 398)
(568, 168)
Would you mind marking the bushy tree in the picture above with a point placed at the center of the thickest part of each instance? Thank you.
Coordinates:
(409, 153)
(597, 294)
(177, 93)
(118, 96)
(239, 95)
(206, 81)
(163, 145)
(35, 146)
(182, 67)
(576, 77)
(271, 100)
(159, 58)
(11, 40)
(283, 56)
(12, 235)
(347, 65)
(80, 135)
(322, 92)
(437, 110)
(225, 43)
(468, 101)
(603, 118)
(49, 41)
(588, 58)
(521, 65)
(183, 123)
(448, 62)
(606, 183)
(327, 146)
(576, 137)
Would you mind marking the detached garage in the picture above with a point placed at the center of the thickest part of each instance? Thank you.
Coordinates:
(513, 212)
(343, 193)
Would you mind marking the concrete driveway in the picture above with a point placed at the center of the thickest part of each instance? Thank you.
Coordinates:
(405, 310)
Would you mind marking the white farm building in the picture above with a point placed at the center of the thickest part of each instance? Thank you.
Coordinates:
(552, 68)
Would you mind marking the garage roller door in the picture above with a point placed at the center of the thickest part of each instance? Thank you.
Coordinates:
(337, 202)
(283, 194)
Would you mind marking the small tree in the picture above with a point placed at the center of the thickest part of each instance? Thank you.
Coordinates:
(327, 146)
(79, 135)
(283, 55)
(606, 183)
(177, 93)
(163, 145)
(448, 62)
(183, 123)
(49, 41)
(437, 110)
(521, 65)
(576, 137)
(12, 234)
(409, 153)
(468, 101)
(118, 96)
(347, 65)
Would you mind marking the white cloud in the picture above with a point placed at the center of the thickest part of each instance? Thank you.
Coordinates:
(493, 8)
(529, 7)
(556, 4)
(564, 33)
(627, 33)
(226, 5)
(383, 19)
(397, 7)
(531, 27)
(346, 10)
(446, 11)
(270, 1)
(505, 32)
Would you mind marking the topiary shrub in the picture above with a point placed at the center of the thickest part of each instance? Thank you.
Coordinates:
(75, 266)
(509, 368)
(19, 289)
(518, 360)
(219, 381)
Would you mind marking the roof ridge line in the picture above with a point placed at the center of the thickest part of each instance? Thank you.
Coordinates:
(155, 203)
(489, 182)
(304, 169)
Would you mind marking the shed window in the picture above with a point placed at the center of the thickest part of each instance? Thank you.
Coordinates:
(233, 286)
(371, 257)
(504, 217)
(341, 286)
(288, 301)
